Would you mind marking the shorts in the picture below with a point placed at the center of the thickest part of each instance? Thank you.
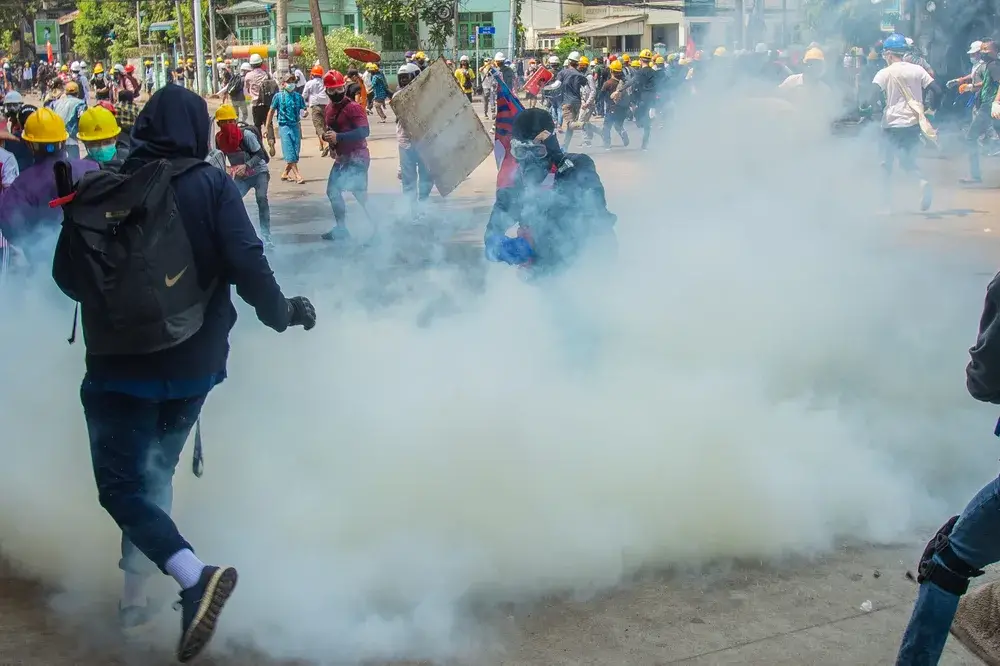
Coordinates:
(570, 112)
(349, 175)
(317, 114)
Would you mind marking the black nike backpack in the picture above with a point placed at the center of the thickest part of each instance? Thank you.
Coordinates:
(127, 258)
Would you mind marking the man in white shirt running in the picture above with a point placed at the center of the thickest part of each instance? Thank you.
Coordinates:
(902, 84)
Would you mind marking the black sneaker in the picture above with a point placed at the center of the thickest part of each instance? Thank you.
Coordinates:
(625, 139)
(337, 234)
(200, 607)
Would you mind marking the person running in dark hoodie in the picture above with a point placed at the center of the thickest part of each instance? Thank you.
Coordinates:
(965, 544)
(139, 409)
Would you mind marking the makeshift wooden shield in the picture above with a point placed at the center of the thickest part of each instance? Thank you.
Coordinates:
(442, 126)
(362, 55)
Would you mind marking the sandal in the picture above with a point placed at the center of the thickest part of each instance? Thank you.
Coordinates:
(301, 181)
(284, 176)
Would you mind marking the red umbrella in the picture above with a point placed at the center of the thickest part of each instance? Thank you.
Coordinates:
(362, 55)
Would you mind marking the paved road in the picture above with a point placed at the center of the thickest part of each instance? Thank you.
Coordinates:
(801, 612)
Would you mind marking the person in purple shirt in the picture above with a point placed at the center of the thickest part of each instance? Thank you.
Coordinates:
(26, 219)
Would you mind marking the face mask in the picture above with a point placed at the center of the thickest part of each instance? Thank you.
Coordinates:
(974, 61)
(335, 96)
(103, 153)
(289, 87)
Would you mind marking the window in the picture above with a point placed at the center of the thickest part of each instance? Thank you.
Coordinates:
(297, 32)
(401, 37)
(349, 21)
(246, 35)
(467, 24)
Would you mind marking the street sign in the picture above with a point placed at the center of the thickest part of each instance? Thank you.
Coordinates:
(487, 30)
(472, 39)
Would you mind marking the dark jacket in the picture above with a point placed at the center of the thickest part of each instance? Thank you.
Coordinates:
(175, 124)
(983, 372)
(560, 217)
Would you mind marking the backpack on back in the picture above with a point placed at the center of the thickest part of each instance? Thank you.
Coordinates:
(268, 89)
(125, 249)
(261, 153)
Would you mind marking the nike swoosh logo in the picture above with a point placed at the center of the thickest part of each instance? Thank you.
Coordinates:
(171, 281)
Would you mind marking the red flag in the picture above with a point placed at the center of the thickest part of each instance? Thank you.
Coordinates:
(48, 51)
(690, 47)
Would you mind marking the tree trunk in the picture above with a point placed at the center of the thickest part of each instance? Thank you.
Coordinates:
(319, 34)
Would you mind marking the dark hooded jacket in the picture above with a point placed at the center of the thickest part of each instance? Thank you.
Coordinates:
(175, 124)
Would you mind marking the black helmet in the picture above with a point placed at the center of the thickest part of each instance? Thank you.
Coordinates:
(530, 122)
(23, 113)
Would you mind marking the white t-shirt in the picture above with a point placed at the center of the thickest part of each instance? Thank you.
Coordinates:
(793, 81)
(897, 109)
(8, 169)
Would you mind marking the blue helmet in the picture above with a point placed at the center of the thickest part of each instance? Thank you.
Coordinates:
(895, 42)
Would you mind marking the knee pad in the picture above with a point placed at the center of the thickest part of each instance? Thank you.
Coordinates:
(952, 573)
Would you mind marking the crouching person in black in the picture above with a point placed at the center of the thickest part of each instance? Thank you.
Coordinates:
(556, 200)
(156, 311)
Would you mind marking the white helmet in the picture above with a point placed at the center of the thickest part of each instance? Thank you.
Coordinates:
(408, 68)
(120, 68)
(13, 97)
(553, 60)
(498, 57)
(464, 59)
(83, 64)
(574, 56)
(255, 59)
(74, 66)
(245, 67)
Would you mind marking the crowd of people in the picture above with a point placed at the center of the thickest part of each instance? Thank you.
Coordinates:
(89, 168)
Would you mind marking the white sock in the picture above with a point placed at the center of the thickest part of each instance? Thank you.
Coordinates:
(134, 590)
(185, 567)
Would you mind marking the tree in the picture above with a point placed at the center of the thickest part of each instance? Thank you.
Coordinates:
(572, 19)
(570, 42)
(437, 15)
(336, 42)
(16, 15)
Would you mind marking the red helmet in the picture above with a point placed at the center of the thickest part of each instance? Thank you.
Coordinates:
(333, 79)
(109, 106)
(129, 69)
(612, 58)
(317, 70)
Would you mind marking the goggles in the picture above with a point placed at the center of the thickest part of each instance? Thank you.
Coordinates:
(527, 150)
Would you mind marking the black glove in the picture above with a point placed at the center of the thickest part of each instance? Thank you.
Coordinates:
(301, 313)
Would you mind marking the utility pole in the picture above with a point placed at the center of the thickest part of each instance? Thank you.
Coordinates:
(454, 29)
(138, 26)
(282, 42)
(740, 24)
(317, 22)
(211, 45)
(199, 49)
(180, 31)
(512, 37)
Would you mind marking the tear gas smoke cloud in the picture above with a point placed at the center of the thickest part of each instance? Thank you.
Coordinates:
(769, 370)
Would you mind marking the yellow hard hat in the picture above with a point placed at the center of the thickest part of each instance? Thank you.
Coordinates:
(72, 87)
(190, 61)
(98, 68)
(166, 63)
(720, 51)
(813, 54)
(584, 61)
(658, 60)
(635, 63)
(672, 57)
(420, 55)
(44, 126)
(98, 124)
(64, 68)
(147, 62)
(626, 57)
(615, 66)
(646, 53)
(226, 112)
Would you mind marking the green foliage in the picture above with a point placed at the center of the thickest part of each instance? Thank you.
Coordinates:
(98, 18)
(572, 19)
(436, 14)
(336, 41)
(571, 42)
(5, 39)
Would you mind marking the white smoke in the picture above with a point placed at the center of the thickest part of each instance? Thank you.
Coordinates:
(768, 368)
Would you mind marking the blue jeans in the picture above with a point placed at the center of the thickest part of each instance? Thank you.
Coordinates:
(413, 173)
(346, 176)
(974, 540)
(135, 444)
(258, 183)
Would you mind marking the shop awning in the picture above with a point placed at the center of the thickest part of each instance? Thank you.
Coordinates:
(606, 27)
(248, 7)
(161, 26)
